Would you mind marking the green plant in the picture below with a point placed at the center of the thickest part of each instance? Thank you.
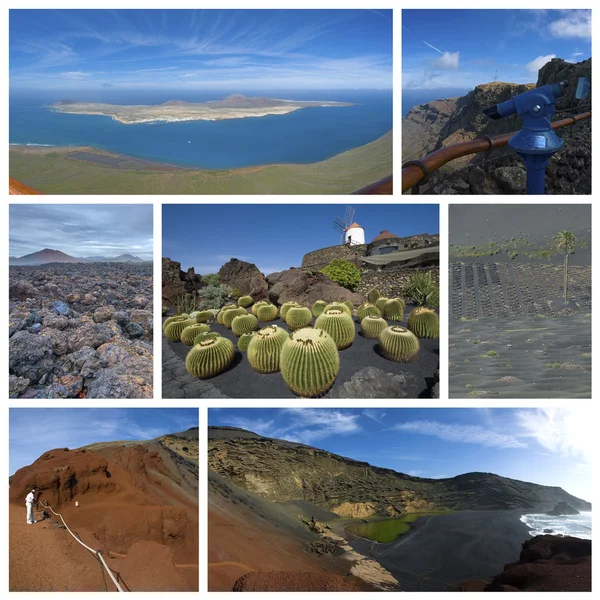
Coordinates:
(344, 273)
(222, 312)
(394, 309)
(268, 312)
(373, 296)
(285, 307)
(173, 330)
(565, 241)
(210, 279)
(235, 293)
(339, 325)
(206, 336)
(257, 305)
(174, 318)
(309, 362)
(186, 303)
(424, 323)
(245, 301)
(349, 305)
(230, 315)
(318, 307)
(421, 289)
(203, 316)
(214, 296)
(210, 357)
(339, 306)
(491, 353)
(308, 273)
(165, 310)
(265, 348)
(245, 340)
(381, 303)
(366, 309)
(372, 325)
(398, 344)
(298, 317)
(191, 331)
(244, 324)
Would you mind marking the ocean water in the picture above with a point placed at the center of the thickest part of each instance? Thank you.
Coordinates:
(412, 98)
(303, 136)
(574, 525)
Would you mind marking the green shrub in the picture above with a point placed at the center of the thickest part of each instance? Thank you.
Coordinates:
(421, 289)
(344, 273)
(214, 296)
(210, 279)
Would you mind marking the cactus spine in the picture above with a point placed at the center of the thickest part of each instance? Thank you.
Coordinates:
(206, 335)
(174, 318)
(380, 303)
(223, 311)
(191, 331)
(285, 307)
(366, 309)
(245, 340)
(245, 301)
(373, 296)
(268, 312)
(424, 322)
(318, 307)
(338, 325)
(309, 362)
(339, 306)
(398, 344)
(231, 314)
(244, 324)
(257, 305)
(210, 357)
(394, 309)
(298, 317)
(372, 325)
(265, 348)
(174, 329)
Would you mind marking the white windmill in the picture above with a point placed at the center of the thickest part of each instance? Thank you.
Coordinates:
(352, 234)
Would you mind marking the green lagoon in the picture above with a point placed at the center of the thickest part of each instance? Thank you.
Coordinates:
(387, 530)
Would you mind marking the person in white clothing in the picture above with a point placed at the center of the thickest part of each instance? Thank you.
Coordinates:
(29, 500)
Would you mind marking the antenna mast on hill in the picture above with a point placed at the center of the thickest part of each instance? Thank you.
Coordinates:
(341, 224)
(496, 76)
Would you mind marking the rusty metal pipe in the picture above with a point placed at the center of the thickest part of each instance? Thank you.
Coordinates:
(412, 174)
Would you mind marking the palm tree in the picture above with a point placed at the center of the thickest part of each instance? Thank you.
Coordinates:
(565, 241)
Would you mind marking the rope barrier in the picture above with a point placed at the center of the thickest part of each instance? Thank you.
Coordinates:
(96, 553)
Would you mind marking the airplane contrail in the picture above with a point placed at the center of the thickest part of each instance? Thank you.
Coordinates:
(436, 49)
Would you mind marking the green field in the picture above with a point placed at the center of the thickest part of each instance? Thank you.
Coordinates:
(53, 172)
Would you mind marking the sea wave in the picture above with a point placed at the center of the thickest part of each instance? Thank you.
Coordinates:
(574, 525)
(31, 144)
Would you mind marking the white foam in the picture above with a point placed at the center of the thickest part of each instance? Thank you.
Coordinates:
(574, 525)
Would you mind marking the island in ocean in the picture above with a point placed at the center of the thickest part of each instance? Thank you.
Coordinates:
(234, 106)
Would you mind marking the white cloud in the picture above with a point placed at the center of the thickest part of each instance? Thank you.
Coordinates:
(448, 61)
(259, 426)
(576, 24)
(467, 434)
(310, 424)
(535, 65)
(375, 415)
(575, 54)
(74, 75)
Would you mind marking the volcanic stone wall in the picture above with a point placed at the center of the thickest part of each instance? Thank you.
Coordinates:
(413, 241)
(321, 258)
(390, 280)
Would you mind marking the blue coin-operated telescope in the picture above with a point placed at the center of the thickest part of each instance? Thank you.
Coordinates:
(536, 142)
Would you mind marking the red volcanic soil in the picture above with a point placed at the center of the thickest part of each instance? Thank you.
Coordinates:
(135, 505)
(293, 581)
(548, 564)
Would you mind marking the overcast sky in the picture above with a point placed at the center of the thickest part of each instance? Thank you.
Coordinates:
(82, 230)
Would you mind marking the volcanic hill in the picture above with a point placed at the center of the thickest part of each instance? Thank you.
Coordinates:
(136, 501)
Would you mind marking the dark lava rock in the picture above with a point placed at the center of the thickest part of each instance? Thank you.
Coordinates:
(245, 277)
(176, 282)
(16, 386)
(61, 308)
(134, 330)
(121, 317)
(21, 290)
(548, 530)
(130, 379)
(324, 547)
(306, 287)
(562, 508)
(30, 356)
(371, 382)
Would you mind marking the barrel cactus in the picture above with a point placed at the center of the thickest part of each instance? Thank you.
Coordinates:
(265, 348)
(309, 362)
(202, 316)
(191, 331)
(268, 312)
(349, 304)
(424, 322)
(206, 335)
(298, 317)
(257, 305)
(372, 325)
(380, 303)
(245, 301)
(231, 314)
(245, 340)
(223, 311)
(398, 344)
(244, 324)
(338, 325)
(339, 306)
(174, 318)
(210, 357)
(393, 309)
(366, 309)
(318, 307)
(373, 296)
(285, 307)
(175, 328)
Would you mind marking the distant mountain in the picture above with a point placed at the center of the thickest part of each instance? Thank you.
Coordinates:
(43, 257)
(124, 258)
(94, 258)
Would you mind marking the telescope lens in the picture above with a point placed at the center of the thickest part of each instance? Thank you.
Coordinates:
(492, 112)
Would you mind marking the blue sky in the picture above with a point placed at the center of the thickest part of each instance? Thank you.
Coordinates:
(545, 446)
(276, 237)
(230, 50)
(33, 431)
(464, 48)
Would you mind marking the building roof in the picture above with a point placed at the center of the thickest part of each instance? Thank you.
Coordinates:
(354, 226)
(383, 235)
(384, 259)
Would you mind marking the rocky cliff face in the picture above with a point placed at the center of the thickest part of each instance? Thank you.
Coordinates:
(281, 471)
(176, 282)
(431, 126)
